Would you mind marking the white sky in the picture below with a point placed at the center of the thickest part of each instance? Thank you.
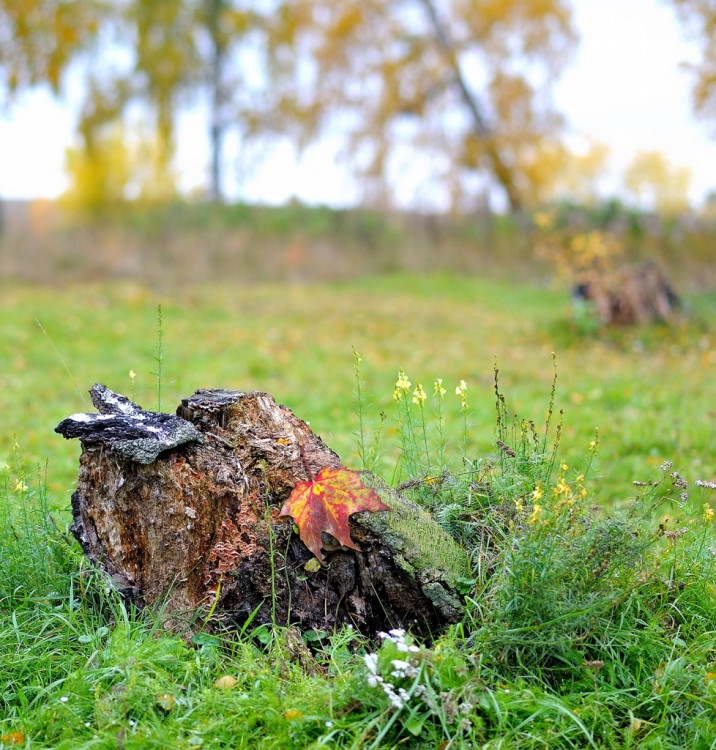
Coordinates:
(625, 87)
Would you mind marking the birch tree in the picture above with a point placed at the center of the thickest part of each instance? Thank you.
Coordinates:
(463, 83)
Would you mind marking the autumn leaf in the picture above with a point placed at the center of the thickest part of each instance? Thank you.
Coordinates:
(166, 701)
(326, 502)
(14, 738)
(226, 682)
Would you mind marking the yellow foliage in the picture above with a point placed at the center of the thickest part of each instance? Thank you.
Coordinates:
(449, 78)
(701, 15)
(553, 171)
(98, 179)
(579, 173)
(40, 38)
(118, 167)
(653, 178)
(574, 253)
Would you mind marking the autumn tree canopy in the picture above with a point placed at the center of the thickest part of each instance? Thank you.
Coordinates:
(655, 182)
(163, 55)
(184, 52)
(464, 83)
(461, 86)
(700, 17)
(40, 38)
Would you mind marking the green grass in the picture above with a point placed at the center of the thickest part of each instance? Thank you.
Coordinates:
(649, 392)
(587, 626)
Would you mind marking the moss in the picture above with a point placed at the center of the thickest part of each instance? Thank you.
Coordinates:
(421, 545)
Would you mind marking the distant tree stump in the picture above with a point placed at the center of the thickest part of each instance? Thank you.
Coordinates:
(631, 295)
(182, 511)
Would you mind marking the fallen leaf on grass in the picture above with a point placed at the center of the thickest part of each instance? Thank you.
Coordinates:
(326, 502)
(225, 682)
(13, 738)
(166, 701)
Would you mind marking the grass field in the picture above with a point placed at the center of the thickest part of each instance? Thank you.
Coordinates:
(649, 392)
(77, 670)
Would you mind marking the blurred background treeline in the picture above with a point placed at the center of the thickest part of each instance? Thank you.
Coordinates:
(442, 110)
(182, 243)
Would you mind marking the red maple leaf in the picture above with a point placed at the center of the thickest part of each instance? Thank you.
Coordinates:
(325, 504)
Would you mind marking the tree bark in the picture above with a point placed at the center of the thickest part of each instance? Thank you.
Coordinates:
(182, 512)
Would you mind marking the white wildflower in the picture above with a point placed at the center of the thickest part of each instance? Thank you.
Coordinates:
(371, 661)
(403, 669)
(398, 698)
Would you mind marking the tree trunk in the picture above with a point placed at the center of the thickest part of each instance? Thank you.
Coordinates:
(497, 164)
(182, 512)
(217, 125)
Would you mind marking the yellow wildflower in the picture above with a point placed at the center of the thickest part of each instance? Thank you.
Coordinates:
(402, 385)
(21, 486)
(460, 392)
(536, 513)
(708, 513)
(538, 493)
(438, 388)
(419, 395)
(561, 488)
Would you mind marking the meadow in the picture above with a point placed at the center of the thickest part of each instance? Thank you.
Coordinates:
(594, 627)
(649, 391)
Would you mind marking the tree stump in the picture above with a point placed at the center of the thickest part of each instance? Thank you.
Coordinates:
(182, 511)
(630, 295)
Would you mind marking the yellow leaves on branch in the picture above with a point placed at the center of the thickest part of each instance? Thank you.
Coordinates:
(326, 502)
(438, 63)
(700, 15)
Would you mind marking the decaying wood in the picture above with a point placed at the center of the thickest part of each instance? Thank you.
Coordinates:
(182, 511)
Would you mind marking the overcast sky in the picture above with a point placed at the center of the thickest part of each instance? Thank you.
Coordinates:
(626, 87)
